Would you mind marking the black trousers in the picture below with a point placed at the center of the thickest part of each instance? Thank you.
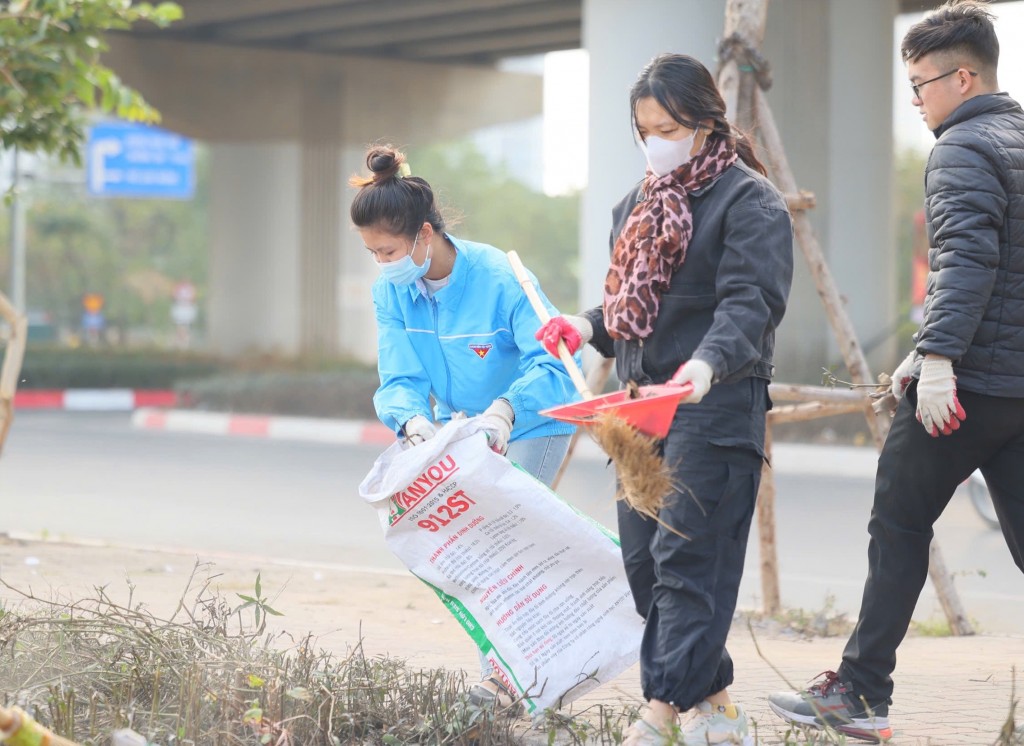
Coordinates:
(917, 475)
(686, 588)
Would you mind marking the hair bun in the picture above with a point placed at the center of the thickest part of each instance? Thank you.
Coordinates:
(384, 162)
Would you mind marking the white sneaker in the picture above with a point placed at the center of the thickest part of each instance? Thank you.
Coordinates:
(705, 725)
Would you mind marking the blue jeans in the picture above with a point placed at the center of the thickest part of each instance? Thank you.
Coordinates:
(542, 458)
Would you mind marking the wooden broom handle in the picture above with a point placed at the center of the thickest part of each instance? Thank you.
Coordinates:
(542, 313)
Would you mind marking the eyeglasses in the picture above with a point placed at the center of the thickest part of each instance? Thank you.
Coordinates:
(916, 87)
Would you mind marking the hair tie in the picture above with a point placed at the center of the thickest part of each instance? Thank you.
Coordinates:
(404, 170)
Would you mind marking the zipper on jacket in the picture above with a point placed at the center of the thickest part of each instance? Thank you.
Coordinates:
(440, 347)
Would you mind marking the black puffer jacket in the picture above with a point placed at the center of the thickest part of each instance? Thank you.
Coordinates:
(974, 208)
(725, 301)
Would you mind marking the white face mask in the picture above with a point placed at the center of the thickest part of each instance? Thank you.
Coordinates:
(665, 156)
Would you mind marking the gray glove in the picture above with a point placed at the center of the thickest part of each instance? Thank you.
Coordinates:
(938, 408)
(496, 422)
(418, 429)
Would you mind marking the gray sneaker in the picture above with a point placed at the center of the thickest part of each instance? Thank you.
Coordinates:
(832, 703)
(706, 725)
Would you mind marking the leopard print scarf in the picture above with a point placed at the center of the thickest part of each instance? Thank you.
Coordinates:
(652, 245)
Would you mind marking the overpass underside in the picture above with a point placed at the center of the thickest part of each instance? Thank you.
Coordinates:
(288, 92)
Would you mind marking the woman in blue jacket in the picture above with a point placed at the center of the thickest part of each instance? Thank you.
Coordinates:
(702, 260)
(454, 325)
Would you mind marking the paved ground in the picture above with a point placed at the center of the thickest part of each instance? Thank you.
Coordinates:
(949, 690)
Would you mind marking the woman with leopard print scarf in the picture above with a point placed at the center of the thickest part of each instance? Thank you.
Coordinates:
(702, 262)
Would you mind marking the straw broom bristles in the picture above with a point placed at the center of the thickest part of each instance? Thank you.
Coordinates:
(645, 480)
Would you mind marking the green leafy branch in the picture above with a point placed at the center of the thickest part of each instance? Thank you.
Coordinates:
(51, 75)
(258, 602)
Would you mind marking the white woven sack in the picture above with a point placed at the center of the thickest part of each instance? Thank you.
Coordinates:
(539, 587)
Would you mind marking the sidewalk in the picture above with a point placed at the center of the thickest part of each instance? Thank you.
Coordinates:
(948, 690)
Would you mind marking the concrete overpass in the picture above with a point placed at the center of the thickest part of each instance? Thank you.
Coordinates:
(287, 92)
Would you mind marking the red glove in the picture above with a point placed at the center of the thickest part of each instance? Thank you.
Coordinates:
(568, 329)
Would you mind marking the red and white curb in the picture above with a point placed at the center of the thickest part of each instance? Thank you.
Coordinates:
(93, 400)
(310, 429)
(787, 458)
(289, 428)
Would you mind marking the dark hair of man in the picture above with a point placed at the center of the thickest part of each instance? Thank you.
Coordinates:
(684, 88)
(397, 204)
(960, 31)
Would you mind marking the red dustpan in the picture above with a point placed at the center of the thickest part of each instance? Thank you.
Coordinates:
(650, 412)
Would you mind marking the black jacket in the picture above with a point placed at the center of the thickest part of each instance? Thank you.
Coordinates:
(974, 210)
(729, 295)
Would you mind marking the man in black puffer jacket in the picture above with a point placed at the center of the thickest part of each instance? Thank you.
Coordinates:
(961, 389)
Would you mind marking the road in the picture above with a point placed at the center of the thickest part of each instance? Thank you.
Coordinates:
(92, 476)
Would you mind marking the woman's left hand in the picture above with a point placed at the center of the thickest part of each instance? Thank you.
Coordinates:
(497, 422)
(698, 374)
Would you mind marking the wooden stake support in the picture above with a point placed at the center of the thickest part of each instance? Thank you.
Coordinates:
(748, 109)
(14, 353)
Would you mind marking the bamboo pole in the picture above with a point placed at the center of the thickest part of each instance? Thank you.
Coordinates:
(744, 23)
(14, 354)
(811, 410)
(772, 598)
(803, 393)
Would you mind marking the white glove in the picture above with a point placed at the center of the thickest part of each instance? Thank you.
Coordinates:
(418, 429)
(938, 409)
(496, 422)
(696, 372)
(901, 377)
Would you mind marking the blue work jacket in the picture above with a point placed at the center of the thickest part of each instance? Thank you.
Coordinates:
(469, 344)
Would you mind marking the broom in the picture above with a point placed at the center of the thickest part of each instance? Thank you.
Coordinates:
(644, 479)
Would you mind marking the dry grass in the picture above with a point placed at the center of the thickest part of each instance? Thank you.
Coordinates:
(88, 667)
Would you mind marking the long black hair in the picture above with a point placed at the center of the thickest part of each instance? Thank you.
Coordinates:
(684, 88)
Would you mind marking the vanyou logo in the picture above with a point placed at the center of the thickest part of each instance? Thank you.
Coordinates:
(481, 350)
(420, 487)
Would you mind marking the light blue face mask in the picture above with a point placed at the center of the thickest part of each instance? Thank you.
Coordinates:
(405, 271)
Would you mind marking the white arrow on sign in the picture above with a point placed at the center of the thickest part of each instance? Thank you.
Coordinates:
(99, 151)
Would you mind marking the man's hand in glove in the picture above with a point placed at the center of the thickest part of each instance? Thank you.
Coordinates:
(418, 429)
(937, 406)
(901, 377)
(575, 331)
(497, 422)
(695, 372)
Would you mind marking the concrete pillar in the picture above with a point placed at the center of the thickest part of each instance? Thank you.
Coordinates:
(621, 38)
(862, 237)
(832, 101)
(320, 227)
(358, 272)
(254, 264)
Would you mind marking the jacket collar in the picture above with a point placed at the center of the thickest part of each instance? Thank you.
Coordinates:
(986, 103)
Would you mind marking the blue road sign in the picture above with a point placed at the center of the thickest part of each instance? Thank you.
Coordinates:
(137, 160)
